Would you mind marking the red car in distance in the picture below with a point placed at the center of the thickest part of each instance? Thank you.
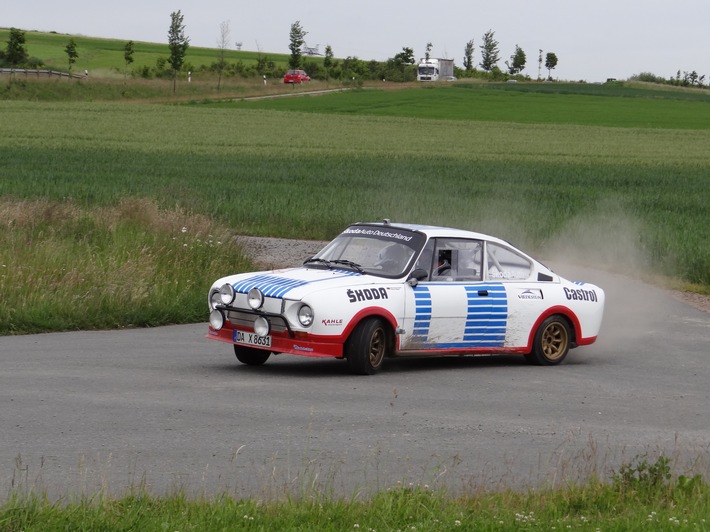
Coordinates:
(296, 76)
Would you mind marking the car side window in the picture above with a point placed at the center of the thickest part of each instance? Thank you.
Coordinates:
(457, 259)
(505, 264)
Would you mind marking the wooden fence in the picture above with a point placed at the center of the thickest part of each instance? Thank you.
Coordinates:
(38, 73)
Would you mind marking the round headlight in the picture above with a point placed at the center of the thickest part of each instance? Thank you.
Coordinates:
(255, 298)
(215, 299)
(262, 326)
(227, 294)
(305, 315)
(216, 319)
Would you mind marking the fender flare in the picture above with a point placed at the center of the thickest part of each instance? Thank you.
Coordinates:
(562, 311)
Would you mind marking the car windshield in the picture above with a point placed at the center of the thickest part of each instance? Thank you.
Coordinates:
(372, 249)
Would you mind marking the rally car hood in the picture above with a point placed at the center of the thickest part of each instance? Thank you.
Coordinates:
(296, 283)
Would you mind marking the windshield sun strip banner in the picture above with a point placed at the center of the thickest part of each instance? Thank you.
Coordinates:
(413, 239)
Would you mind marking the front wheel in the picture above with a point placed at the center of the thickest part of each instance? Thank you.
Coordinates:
(552, 342)
(366, 347)
(251, 356)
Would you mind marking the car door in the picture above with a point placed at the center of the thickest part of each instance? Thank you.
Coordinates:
(454, 309)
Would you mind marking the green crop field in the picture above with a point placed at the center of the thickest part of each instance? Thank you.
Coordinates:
(588, 105)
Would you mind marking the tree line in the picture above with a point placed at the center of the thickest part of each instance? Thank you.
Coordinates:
(401, 67)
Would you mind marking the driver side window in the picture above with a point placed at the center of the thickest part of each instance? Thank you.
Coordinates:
(456, 260)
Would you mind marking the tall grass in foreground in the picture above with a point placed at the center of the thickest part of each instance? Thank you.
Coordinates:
(63, 266)
(641, 496)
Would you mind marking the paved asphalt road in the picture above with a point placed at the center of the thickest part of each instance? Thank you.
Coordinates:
(168, 409)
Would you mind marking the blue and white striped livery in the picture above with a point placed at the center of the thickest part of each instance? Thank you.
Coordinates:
(382, 289)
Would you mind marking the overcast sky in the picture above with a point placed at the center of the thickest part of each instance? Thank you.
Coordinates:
(593, 39)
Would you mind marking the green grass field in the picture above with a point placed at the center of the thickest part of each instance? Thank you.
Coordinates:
(101, 56)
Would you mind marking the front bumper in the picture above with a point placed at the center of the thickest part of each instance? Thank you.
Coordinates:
(282, 342)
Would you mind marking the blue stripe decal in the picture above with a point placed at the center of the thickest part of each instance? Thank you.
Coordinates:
(486, 317)
(422, 308)
(276, 286)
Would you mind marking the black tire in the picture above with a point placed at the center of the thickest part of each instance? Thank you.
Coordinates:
(367, 346)
(251, 356)
(552, 342)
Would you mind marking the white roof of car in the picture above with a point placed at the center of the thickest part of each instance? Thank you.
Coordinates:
(438, 231)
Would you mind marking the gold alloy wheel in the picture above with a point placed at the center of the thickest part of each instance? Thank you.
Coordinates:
(555, 341)
(377, 347)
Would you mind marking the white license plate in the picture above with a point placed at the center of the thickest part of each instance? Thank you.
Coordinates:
(248, 338)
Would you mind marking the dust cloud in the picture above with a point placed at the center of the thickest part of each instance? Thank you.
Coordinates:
(607, 239)
(605, 248)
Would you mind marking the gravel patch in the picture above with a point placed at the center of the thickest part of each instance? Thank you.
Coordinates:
(698, 301)
(277, 253)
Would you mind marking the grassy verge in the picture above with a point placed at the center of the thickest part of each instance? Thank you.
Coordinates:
(640, 496)
(63, 266)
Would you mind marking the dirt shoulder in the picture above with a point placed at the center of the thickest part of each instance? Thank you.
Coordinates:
(698, 301)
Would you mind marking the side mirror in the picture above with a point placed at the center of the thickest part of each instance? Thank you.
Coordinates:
(417, 275)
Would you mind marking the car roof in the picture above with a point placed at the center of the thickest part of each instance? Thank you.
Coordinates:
(438, 231)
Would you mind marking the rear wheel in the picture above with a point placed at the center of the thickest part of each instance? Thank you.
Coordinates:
(552, 342)
(366, 347)
(251, 356)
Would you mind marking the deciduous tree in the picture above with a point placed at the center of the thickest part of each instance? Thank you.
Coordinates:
(427, 51)
(489, 51)
(405, 57)
(328, 59)
(127, 56)
(517, 61)
(16, 53)
(297, 38)
(468, 56)
(178, 43)
(550, 63)
(71, 52)
(222, 45)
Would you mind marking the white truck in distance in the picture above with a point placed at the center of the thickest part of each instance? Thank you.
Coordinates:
(435, 70)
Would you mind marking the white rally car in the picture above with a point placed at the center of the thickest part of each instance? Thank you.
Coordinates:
(383, 289)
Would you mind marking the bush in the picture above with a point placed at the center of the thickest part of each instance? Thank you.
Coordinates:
(647, 77)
